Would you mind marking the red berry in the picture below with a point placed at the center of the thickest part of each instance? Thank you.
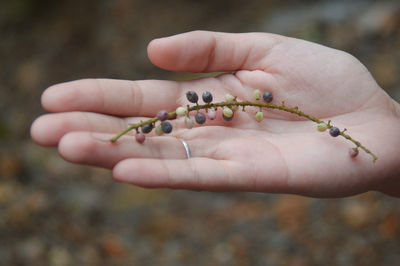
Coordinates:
(162, 115)
(140, 137)
(211, 114)
(353, 152)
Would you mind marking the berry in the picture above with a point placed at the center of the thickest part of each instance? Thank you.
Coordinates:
(181, 111)
(166, 127)
(322, 127)
(257, 94)
(147, 128)
(334, 131)
(267, 96)
(200, 118)
(192, 96)
(227, 118)
(162, 115)
(189, 122)
(353, 152)
(207, 97)
(227, 112)
(229, 97)
(140, 137)
(259, 116)
(211, 114)
(159, 130)
(235, 107)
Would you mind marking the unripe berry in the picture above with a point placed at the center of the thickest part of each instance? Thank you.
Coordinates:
(162, 115)
(227, 118)
(207, 97)
(200, 118)
(192, 96)
(211, 114)
(227, 112)
(267, 96)
(322, 127)
(166, 127)
(229, 97)
(259, 116)
(147, 128)
(189, 122)
(257, 94)
(235, 107)
(140, 137)
(334, 131)
(181, 111)
(159, 130)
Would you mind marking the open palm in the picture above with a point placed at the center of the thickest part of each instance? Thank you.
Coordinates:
(283, 153)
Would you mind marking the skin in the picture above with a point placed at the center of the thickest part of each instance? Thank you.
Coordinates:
(282, 154)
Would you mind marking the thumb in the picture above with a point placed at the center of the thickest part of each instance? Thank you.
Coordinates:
(205, 51)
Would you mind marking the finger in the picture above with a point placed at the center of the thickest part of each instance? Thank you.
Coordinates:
(202, 51)
(195, 173)
(115, 97)
(96, 149)
(48, 129)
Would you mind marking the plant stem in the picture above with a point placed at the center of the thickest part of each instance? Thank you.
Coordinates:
(245, 104)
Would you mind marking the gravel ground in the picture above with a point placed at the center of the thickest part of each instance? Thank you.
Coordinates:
(55, 213)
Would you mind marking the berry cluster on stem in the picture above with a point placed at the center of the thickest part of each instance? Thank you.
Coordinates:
(229, 107)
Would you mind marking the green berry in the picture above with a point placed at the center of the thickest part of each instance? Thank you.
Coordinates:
(235, 107)
(189, 122)
(257, 94)
(147, 128)
(334, 131)
(207, 97)
(322, 126)
(229, 97)
(227, 112)
(200, 118)
(227, 118)
(259, 116)
(181, 111)
(159, 130)
(166, 127)
(267, 96)
(192, 96)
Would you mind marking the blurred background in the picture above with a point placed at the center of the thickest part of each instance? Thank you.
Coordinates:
(56, 213)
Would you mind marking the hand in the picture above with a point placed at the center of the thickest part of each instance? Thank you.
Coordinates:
(282, 154)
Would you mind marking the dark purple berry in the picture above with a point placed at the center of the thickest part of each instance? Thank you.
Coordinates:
(192, 96)
(334, 131)
(166, 127)
(140, 137)
(267, 96)
(162, 115)
(207, 97)
(147, 128)
(227, 118)
(200, 118)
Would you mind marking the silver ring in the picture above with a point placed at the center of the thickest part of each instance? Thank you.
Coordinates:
(188, 154)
